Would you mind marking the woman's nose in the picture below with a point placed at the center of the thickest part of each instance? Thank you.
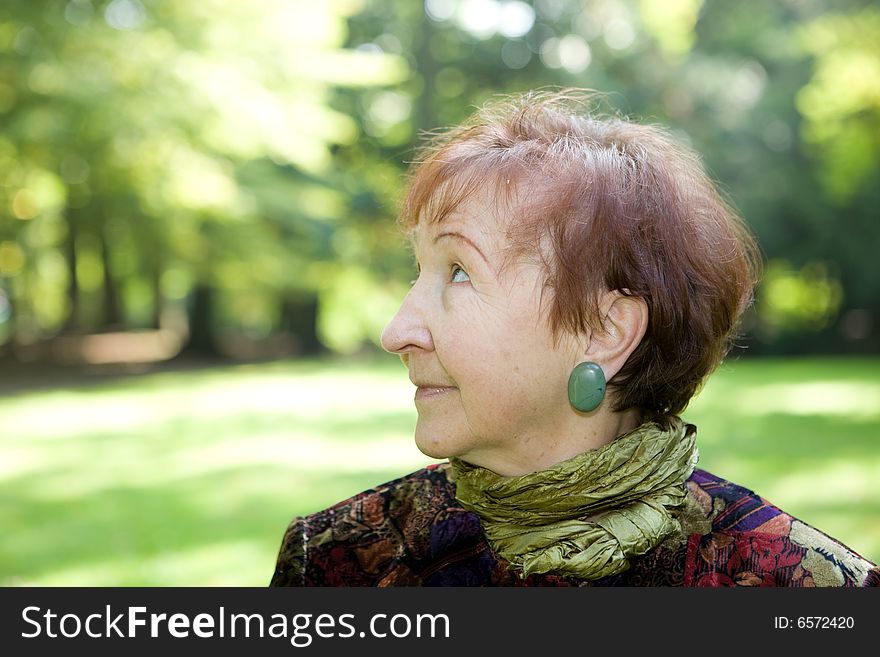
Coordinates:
(407, 330)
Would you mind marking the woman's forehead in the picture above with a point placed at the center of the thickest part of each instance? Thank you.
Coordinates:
(475, 218)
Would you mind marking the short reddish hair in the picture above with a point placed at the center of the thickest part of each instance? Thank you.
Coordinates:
(606, 204)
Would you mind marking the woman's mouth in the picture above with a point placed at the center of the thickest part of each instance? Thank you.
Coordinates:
(424, 393)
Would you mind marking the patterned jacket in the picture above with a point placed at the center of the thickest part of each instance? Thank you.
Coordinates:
(413, 532)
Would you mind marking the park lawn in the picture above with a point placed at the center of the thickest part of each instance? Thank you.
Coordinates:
(188, 478)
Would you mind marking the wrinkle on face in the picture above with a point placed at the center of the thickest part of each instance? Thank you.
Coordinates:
(490, 338)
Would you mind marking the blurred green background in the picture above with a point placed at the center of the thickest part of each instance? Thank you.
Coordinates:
(198, 253)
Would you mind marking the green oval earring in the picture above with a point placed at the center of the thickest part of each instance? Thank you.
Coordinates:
(586, 387)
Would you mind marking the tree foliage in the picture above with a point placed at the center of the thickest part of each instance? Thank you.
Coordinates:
(235, 167)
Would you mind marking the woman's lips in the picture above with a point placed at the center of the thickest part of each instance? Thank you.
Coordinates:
(431, 392)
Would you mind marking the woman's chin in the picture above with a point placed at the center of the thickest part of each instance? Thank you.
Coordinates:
(436, 448)
(433, 451)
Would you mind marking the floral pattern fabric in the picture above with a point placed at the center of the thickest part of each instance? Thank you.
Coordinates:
(413, 532)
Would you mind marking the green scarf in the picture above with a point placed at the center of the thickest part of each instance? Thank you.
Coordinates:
(589, 516)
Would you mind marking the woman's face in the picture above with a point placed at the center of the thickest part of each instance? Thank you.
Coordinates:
(491, 385)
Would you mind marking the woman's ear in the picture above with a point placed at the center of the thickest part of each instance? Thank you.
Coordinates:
(624, 322)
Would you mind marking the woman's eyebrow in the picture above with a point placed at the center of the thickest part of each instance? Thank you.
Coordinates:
(466, 240)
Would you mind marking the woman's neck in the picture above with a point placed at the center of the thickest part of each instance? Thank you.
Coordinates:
(581, 434)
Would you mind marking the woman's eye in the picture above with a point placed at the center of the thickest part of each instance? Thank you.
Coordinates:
(459, 275)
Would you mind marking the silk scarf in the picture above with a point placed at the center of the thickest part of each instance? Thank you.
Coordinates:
(589, 516)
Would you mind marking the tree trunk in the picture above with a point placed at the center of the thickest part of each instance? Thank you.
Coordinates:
(202, 340)
(156, 283)
(113, 316)
(427, 65)
(7, 317)
(299, 317)
(72, 324)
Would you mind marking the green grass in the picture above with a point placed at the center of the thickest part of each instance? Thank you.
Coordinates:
(189, 478)
(805, 435)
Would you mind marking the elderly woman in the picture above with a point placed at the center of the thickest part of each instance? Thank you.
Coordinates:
(578, 280)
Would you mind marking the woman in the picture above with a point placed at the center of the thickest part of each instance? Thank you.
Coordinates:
(578, 280)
